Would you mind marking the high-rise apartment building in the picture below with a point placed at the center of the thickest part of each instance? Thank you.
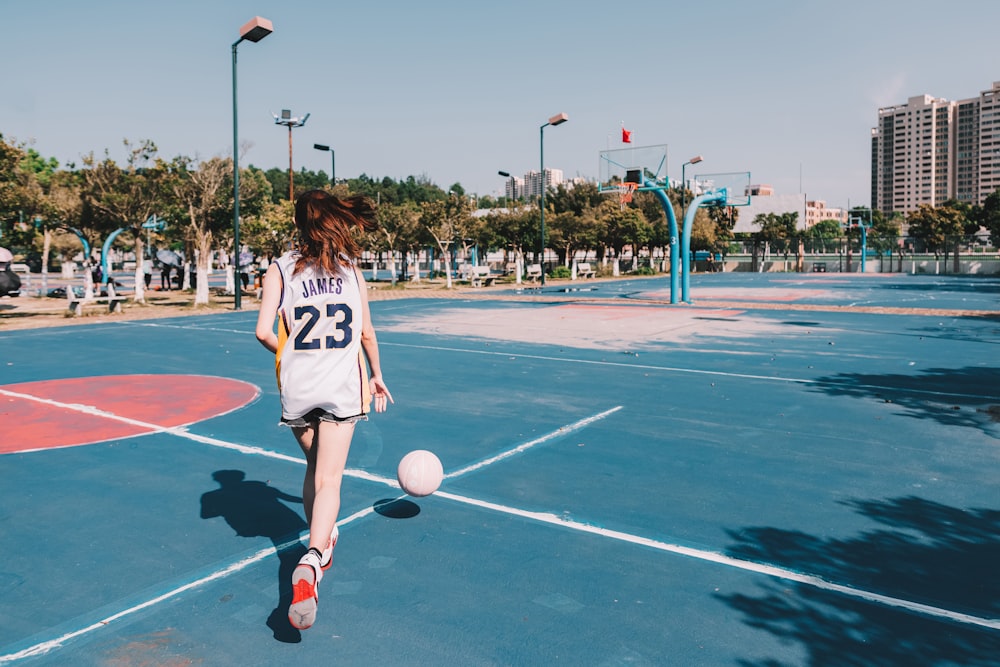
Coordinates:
(931, 149)
(514, 188)
(534, 181)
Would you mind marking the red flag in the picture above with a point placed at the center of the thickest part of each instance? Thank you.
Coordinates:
(626, 136)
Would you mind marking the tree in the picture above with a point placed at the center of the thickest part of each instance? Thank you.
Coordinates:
(204, 200)
(399, 229)
(269, 229)
(934, 226)
(446, 221)
(724, 218)
(127, 197)
(823, 236)
(778, 230)
(988, 215)
(624, 228)
(10, 187)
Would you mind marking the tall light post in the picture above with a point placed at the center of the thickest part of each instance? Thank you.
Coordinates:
(506, 174)
(333, 161)
(695, 160)
(255, 30)
(558, 119)
(286, 119)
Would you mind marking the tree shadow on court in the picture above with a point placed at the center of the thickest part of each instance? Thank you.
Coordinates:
(924, 552)
(964, 397)
(972, 283)
(255, 509)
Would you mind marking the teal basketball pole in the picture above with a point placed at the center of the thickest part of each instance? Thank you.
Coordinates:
(717, 196)
(668, 208)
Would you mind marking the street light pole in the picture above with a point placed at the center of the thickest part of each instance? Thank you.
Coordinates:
(333, 162)
(512, 187)
(255, 30)
(558, 119)
(695, 160)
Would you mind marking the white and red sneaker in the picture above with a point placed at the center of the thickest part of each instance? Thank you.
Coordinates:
(327, 560)
(305, 598)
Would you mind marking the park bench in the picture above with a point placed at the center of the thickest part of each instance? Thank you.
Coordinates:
(533, 272)
(481, 275)
(584, 270)
(76, 303)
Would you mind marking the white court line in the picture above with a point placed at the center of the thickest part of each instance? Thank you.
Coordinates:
(693, 371)
(542, 517)
(618, 364)
(47, 646)
(729, 561)
(160, 325)
(569, 428)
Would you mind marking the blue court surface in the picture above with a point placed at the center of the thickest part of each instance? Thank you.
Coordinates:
(793, 470)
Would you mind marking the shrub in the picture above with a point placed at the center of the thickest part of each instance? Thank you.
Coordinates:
(560, 272)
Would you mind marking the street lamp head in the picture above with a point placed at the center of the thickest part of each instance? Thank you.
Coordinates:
(696, 159)
(558, 119)
(256, 29)
(504, 174)
(321, 147)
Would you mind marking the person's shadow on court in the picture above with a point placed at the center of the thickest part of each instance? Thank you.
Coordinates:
(255, 509)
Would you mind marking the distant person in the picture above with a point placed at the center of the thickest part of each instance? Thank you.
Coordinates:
(165, 277)
(147, 271)
(324, 386)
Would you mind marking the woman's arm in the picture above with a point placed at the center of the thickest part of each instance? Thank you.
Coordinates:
(369, 343)
(269, 299)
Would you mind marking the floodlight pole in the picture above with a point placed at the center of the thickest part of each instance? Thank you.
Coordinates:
(558, 119)
(253, 31)
(286, 119)
(333, 161)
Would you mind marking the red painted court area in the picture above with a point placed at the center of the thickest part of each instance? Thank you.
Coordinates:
(80, 411)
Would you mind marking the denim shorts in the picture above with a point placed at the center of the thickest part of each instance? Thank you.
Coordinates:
(316, 415)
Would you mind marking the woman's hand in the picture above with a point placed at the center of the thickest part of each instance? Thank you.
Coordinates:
(380, 393)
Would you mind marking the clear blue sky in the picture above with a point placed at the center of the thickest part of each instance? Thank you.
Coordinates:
(456, 90)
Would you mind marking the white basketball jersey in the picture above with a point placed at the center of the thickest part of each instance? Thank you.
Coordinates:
(319, 359)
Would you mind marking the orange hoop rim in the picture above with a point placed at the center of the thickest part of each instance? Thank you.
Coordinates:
(625, 192)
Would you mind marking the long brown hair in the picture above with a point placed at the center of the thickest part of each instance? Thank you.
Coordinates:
(324, 223)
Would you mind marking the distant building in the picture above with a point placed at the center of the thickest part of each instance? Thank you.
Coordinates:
(534, 181)
(931, 149)
(817, 211)
(514, 188)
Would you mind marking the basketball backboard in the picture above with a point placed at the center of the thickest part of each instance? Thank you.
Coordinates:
(645, 165)
(734, 185)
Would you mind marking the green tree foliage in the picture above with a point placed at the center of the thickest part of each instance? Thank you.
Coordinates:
(937, 227)
(988, 215)
(778, 230)
(824, 236)
(723, 220)
(447, 222)
(627, 227)
(126, 197)
(399, 229)
(202, 195)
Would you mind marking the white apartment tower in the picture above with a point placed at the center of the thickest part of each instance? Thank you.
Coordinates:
(931, 149)
(534, 182)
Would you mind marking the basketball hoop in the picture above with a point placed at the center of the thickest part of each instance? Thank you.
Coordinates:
(625, 192)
